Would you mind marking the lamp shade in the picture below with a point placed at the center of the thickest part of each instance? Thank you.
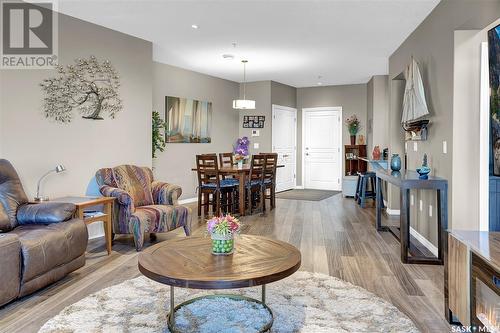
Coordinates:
(244, 104)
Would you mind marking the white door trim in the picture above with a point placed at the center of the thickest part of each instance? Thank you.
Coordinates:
(303, 164)
(274, 106)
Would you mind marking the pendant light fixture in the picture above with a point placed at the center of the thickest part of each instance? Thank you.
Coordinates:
(244, 104)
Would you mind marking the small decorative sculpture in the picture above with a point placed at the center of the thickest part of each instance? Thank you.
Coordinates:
(424, 170)
(89, 85)
(376, 153)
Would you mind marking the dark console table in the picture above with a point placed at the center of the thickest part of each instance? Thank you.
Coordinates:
(407, 180)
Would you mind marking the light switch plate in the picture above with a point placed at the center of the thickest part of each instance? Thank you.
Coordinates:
(255, 133)
(415, 146)
(412, 200)
(445, 147)
(256, 145)
(421, 205)
(430, 210)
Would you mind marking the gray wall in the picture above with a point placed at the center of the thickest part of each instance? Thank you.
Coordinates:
(260, 92)
(175, 163)
(25, 130)
(369, 115)
(352, 99)
(284, 95)
(35, 144)
(432, 45)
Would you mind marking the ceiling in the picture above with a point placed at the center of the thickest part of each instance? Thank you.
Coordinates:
(299, 43)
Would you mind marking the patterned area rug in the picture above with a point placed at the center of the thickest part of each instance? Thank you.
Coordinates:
(307, 195)
(304, 302)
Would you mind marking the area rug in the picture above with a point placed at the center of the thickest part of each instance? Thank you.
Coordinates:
(304, 302)
(308, 195)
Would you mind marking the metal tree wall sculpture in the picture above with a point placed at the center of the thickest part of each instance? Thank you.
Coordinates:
(89, 85)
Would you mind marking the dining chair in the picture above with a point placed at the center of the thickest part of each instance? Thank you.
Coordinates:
(212, 190)
(269, 182)
(226, 159)
(255, 183)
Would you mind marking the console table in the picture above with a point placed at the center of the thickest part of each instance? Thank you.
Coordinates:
(407, 180)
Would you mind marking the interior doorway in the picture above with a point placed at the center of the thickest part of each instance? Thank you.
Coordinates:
(322, 147)
(284, 142)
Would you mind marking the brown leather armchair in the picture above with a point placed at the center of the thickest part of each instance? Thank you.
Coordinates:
(39, 243)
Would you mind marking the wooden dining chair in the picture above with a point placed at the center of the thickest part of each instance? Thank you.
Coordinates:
(269, 182)
(226, 159)
(255, 183)
(212, 190)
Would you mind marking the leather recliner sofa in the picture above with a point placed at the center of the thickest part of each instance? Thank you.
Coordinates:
(39, 243)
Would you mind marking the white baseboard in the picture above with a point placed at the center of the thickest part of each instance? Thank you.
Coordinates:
(392, 211)
(424, 241)
(299, 187)
(188, 200)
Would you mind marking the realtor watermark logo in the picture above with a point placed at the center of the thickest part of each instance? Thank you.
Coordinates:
(29, 34)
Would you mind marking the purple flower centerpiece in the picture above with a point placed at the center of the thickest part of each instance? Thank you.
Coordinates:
(240, 150)
(222, 230)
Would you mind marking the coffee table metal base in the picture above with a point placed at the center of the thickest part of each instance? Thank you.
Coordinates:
(174, 308)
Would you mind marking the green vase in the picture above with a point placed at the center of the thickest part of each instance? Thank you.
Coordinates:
(222, 244)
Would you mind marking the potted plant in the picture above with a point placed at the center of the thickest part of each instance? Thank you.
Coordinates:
(158, 133)
(222, 230)
(353, 126)
(240, 151)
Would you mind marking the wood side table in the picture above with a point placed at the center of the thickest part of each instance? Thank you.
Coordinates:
(83, 203)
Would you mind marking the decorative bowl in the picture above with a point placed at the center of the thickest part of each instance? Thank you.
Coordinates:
(423, 172)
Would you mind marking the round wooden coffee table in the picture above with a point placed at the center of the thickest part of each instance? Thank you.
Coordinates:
(189, 263)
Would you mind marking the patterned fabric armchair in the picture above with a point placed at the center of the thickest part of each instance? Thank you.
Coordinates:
(142, 205)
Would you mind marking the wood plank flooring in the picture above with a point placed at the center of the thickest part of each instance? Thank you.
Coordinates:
(335, 236)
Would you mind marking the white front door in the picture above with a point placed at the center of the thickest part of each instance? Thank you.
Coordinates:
(322, 135)
(284, 133)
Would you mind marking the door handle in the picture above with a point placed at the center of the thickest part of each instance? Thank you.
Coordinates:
(286, 155)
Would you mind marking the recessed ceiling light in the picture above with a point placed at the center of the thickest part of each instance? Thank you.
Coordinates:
(194, 26)
(228, 56)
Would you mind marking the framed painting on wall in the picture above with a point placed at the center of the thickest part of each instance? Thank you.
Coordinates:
(187, 120)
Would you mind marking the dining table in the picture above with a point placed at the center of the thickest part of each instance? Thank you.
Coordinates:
(241, 174)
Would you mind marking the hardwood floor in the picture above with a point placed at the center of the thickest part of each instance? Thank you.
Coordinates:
(335, 236)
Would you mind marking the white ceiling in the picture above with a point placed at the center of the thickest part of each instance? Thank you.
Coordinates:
(293, 42)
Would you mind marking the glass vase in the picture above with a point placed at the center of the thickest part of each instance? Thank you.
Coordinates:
(222, 244)
(395, 162)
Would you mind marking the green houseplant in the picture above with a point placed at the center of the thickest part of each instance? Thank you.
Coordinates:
(158, 133)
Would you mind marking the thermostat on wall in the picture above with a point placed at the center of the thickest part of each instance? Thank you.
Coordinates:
(255, 133)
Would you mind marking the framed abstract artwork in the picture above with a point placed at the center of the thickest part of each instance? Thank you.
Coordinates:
(187, 120)
(253, 121)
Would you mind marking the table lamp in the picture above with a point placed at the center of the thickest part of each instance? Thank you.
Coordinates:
(58, 169)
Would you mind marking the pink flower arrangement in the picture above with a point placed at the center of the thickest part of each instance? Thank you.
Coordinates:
(223, 225)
